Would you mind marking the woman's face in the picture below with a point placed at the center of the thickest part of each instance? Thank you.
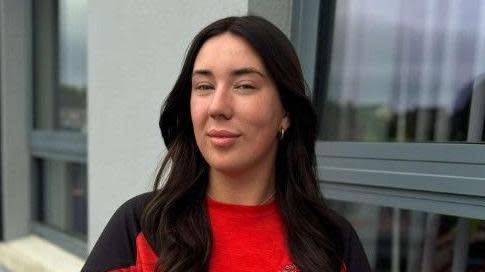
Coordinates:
(235, 107)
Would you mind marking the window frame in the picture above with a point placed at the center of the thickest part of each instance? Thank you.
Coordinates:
(360, 171)
(60, 145)
(367, 172)
(63, 146)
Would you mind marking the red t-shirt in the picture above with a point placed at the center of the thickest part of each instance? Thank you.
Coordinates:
(245, 239)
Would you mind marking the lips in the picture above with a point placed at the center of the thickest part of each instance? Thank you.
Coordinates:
(222, 138)
(222, 133)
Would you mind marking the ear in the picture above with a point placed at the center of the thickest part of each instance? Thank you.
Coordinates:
(285, 122)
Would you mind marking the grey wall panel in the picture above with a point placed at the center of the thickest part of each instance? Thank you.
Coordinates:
(448, 204)
(15, 82)
(440, 152)
(437, 175)
(466, 179)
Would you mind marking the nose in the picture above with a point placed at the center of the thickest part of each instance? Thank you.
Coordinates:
(221, 104)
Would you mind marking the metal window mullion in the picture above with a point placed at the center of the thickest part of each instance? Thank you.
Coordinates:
(57, 145)
(477, 111)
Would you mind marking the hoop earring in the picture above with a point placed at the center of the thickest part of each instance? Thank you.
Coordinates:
(282, 134)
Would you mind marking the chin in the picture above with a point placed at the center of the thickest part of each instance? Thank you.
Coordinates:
(228, 167)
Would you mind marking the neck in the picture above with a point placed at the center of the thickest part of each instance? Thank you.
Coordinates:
(250, 188)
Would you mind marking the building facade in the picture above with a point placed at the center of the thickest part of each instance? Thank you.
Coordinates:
(399, 88)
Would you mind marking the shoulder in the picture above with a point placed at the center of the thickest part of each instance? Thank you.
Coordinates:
(127, 217)
(352, 251)
(116, 246)
(344, 226)
(132, 209)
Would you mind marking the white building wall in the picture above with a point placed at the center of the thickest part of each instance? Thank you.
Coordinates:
(135, 52)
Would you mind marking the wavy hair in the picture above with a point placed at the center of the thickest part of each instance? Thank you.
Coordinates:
(176, 219)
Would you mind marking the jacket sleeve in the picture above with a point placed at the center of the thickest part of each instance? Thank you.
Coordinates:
(354, 256)
(116, 247)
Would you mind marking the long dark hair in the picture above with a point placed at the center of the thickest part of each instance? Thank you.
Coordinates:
(176, 219)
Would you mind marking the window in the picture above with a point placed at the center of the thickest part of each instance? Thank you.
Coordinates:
(58, 140)
(403, 72)
(416, 241)
(399, 87)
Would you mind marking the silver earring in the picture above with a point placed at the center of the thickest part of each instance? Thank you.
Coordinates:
(282, 133)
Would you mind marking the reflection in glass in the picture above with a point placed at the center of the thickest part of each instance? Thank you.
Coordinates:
(60, 70)
(411, 241)
(404, 71)
(72, 64)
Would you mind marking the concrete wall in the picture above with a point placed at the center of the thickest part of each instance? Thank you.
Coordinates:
(15, 80)
(135, 51)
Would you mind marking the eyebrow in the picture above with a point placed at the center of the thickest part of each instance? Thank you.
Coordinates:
(234, 73)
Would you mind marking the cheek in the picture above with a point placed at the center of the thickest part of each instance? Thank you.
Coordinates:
(262, 120)
(264, 114)
(196, 113)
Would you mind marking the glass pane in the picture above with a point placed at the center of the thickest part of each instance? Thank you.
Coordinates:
(404, 240)
(60, 70)
(403, 71)
(60, 197)
(72, 64)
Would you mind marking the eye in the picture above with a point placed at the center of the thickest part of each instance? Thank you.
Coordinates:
(245, 87)
(204, 87)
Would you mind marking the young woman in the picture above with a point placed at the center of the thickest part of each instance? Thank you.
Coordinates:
(241, 191)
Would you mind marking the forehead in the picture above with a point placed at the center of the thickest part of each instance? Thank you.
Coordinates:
(227, 50)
